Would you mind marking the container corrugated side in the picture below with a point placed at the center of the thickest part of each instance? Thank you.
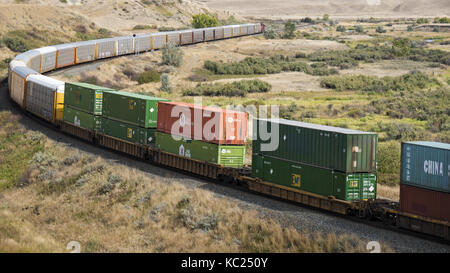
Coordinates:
(143, 42)
(85, 97)
(325, 182)
(82, 119)
(106, 48)
(218, 33)
(425, 202)
(31, 58)
(226, 155)
(426, 165)
(45, 97)
(227, 31)
(322, 146)
(48, 58)
(186, 37)
(133, 108)
(197, 35)
(18, 86)
(258, 28)
(210, 124)
(65, 55)
(209, 34)
(85, 51)
(125, 45)
(173, 37)
(128, 132)
(159, 40)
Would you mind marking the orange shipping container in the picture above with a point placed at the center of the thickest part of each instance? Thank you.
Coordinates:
(205, 123)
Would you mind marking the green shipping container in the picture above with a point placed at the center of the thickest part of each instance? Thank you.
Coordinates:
(344, 186)
(82, 119)
(128, 132)
(323, 146)
(132, 108)
(84, 96)
(226, 155)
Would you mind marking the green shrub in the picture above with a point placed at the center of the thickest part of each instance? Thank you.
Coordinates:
(172, 55)
(149, 76)
(204, 20)
(388, 168)
(16, 44)
(422, 21)
(238, 88)
(289, 30)
(411, 81)
(165, 83)
(341, 28)
(272, 65)
(380, 29)
(359, 28)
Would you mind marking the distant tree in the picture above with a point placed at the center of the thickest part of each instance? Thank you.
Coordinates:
(165, 83)
(204, 20)
(410, 28)
(326, 17)
(172, 55)
(289, 29)
(341, 29)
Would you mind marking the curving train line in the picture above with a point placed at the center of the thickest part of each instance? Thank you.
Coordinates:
(25, 80)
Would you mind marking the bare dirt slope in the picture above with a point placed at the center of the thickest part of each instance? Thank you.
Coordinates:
(115, 15)
(341, 8)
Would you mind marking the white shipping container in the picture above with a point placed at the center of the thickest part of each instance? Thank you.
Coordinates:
(159, 40)
(11, 66)
(236, 30)
(251, 29)
(173, 37)
(125, 45)
(209, 34)
(65, 55)
(244, 29)
(186, 37)
(31, 58)
(106, 48)
(218, 33)
(258, 28)
(17, 88)
(48, 58)
(198, 35)
(40, 96)
(85, 51)
(227, 31)
(142, 42)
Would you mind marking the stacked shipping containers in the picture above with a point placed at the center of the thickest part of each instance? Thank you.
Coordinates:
(425, 179)
(130, 117)
(203, 133)
(83, 105)
(319, 159)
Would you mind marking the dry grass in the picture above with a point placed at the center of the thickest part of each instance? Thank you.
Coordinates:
(389, 192)
(67, 195)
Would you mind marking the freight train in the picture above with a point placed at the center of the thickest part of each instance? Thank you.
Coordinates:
(329, 168)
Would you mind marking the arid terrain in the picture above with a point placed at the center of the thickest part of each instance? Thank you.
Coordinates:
(54, 189)
(351, 9)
